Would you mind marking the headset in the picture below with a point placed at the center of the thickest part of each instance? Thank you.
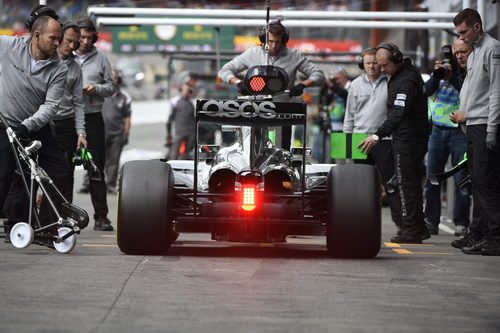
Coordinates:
(396, 55)
(87, 23)
(279, 27)
(39, 11)
(70, 25)
(362, 55)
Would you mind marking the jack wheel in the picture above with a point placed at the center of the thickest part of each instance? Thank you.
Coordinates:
(66, 245)
(21, 235)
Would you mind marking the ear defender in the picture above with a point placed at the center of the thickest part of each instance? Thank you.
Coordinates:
(278, 26)
(86, 23)
(396, 55)
(37, 12)
(362, 55)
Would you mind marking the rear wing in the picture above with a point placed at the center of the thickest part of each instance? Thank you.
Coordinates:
(251, 113)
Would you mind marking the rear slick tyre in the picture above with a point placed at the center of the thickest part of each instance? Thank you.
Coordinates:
(144, 213)
(354, 211)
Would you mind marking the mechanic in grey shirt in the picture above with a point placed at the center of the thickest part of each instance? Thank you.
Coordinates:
(97, 84)
(69, 121)
(366, 111)
(292, 61)
(480, 100)
(31, 85)
(182, 115)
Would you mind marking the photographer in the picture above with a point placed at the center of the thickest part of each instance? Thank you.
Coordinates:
(332, 102)
(447, 138)
(334, 94)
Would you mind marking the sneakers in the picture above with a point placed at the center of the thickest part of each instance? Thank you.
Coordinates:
(6, 240)
(474, 247)
(7, 227)
(425, 234)
(103, 224)
(403, 238)
(433, 229)
(463, 242)
(460, 230)
(491, 248)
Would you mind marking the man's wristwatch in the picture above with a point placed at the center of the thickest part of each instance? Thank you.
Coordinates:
(375, 137)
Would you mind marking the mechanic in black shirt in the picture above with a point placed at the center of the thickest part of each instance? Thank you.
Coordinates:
(407, 122)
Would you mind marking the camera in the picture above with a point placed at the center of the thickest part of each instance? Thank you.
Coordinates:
(446, 54)
(83, 157)
(448, 63)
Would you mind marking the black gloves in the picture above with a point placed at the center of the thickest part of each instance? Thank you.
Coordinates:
(491, 141)
(297, 90)
(242, 89)
(22, 131)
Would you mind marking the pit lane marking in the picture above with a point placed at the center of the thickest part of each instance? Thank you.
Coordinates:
(396, 247)
(389, 244)
(402, 251)
(435, 253)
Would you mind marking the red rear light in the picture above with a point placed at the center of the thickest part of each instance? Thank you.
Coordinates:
(248, 197)
(257, 83)
(249, 186)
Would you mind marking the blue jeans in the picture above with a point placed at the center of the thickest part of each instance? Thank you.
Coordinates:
(443, 142)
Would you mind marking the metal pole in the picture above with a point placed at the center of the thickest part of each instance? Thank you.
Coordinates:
(298, 14)
(217, 47)
(466, 3)
(288, 23)
(481, 11)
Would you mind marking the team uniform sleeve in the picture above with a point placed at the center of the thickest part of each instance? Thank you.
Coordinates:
(233, 67)
(494, 104)
(311, 70)
(4, 41)
(48, 109)
(108, 88)
(397, 104)
(78, 104)
(350, 109)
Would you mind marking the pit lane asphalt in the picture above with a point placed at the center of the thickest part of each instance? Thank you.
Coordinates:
(206, 286)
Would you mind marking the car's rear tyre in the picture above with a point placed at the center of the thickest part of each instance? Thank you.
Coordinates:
(144, 213)
(354, 211)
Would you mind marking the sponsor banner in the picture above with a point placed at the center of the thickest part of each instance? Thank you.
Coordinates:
(243, 112)
(154, 39)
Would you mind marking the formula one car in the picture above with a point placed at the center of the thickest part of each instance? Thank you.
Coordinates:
(251, 190)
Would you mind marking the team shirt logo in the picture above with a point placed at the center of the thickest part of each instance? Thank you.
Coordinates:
(400, 100)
